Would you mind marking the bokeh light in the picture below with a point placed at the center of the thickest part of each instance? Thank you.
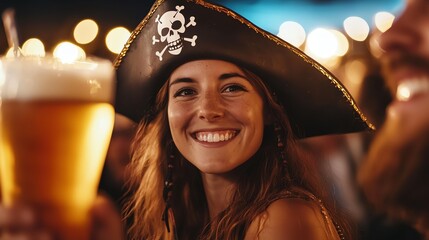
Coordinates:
(343, 43)
(321, 44)
(68, 52)
(10, 53)
(383, 20)
(292, 32)
(355, 71)
(357, 28)
(116, 39)
(374, 46)
(85, 31)
(33, 47)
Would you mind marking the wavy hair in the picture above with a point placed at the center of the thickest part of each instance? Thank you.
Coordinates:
(260, 178)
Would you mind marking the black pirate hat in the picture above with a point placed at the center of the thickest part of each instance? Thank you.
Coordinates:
(177, 31)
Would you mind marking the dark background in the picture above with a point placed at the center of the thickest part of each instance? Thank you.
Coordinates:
(53, 21)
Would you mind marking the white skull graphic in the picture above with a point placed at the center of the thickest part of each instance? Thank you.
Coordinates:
(171, 25)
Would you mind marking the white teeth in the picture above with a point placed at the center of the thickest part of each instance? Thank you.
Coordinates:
(409, 88)
(215, 137)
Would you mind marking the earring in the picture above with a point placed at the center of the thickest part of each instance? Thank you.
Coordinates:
(281, 151)
(167, 193)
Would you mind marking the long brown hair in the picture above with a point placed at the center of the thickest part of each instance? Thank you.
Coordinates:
(259, 179)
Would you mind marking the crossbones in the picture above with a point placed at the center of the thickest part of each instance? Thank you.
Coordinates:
(170, 27)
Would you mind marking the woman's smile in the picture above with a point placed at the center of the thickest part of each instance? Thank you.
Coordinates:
(215, 136)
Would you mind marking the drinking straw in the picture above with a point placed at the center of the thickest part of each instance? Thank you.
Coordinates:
(9, 23)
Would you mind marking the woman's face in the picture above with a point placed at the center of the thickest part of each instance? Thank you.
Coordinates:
(215, 115)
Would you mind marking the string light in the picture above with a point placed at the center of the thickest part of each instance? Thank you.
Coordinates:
(85, 31)
(322, 43)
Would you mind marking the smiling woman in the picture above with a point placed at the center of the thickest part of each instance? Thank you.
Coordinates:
(216, 154)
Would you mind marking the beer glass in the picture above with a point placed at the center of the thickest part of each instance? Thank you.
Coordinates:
(56, 123)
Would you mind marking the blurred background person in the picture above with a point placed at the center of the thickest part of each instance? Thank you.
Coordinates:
(339, 157)
(374, 98)
(394, 176)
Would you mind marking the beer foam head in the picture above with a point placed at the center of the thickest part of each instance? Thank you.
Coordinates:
(44, 78)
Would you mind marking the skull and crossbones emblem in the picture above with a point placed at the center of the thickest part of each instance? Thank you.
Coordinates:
(171, 26)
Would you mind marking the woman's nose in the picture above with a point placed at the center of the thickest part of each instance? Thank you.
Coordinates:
(211, 108)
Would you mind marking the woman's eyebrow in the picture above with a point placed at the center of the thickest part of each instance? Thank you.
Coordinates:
(231, 75)
(181, 80)
(223, 76)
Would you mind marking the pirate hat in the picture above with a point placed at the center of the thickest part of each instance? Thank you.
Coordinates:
(177, 31)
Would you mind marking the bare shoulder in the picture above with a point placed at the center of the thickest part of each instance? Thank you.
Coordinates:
(291, 218)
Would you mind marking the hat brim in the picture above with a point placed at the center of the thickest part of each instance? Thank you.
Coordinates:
(313, 98)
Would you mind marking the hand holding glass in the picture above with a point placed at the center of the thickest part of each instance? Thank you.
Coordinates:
(56, 123)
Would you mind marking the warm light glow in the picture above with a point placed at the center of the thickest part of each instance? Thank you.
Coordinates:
(292, 32)
(343, 43)
(383, 20)
(331, 63)
(357, 28)
(374, 45)
(9, 53)
(321, 44)
(116, 39)
(355, 71)
(85, 31)
(2, 77)
(33, 47)
(403, 92)
(68, 52)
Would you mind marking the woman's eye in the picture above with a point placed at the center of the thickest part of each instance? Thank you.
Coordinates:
(234, 88)
(184, 92)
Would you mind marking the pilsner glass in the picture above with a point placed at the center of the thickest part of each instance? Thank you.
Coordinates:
(56, 123)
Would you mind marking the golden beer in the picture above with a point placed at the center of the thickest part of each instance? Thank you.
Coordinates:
(54, 147)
